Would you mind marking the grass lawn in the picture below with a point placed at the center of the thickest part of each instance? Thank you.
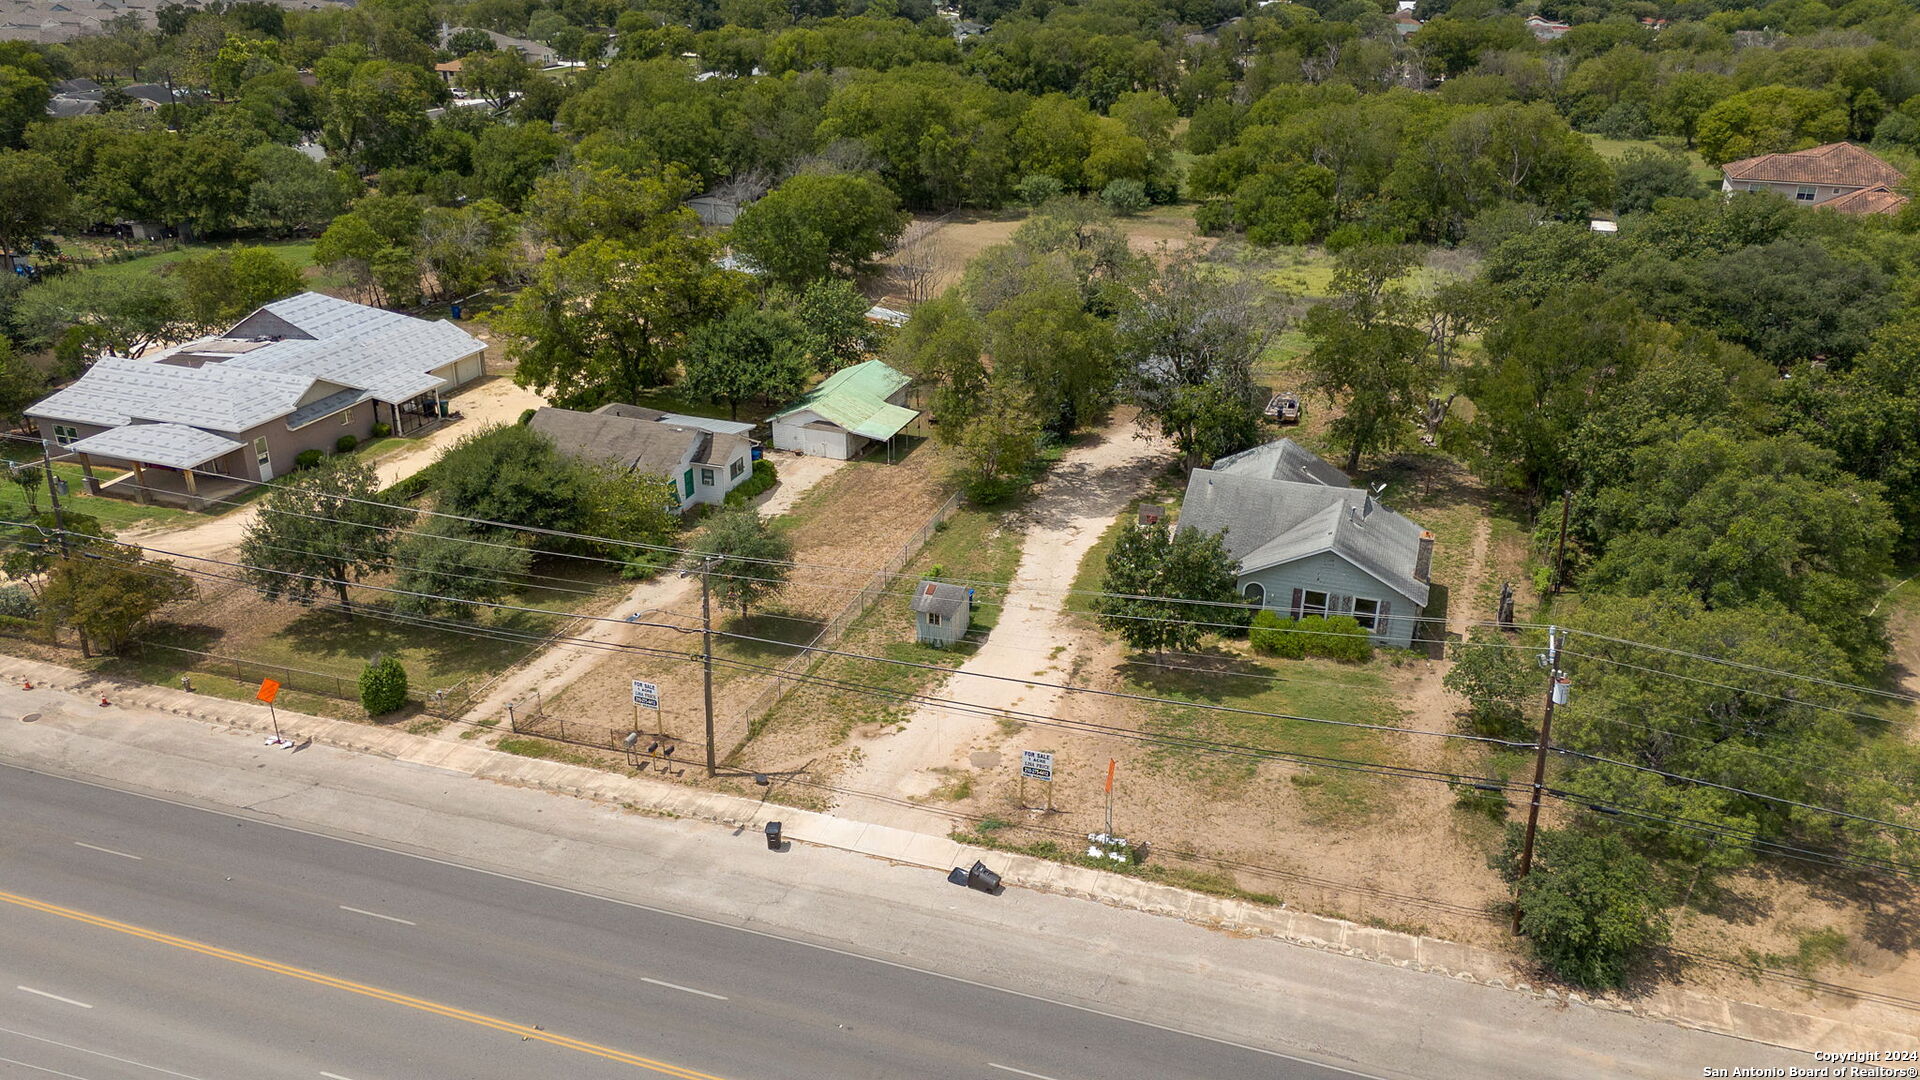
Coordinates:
(1322, 689)
(322, 651)
(113, 513)
(1615, 149)
(297, 252)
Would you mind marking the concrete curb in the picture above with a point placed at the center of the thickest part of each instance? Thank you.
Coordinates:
(1436, 956)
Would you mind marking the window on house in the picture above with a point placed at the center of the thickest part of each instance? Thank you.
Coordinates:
(933, 619)
(734, 470)
(706, 477)
(65, 435)
(1256, 593)
(1804, 193)
(1313, 603)
(1366, 612)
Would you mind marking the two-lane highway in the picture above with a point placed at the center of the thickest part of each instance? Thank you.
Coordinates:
(143, 939)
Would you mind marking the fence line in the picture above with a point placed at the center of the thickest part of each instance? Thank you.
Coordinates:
(447, 701)
(782, 679)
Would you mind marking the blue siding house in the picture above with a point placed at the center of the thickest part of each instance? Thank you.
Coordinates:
(1310, 543)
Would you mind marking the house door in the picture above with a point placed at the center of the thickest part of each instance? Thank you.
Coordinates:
(264, 457)
(689, 482)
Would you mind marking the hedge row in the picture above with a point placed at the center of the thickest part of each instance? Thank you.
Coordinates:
(1340, 637)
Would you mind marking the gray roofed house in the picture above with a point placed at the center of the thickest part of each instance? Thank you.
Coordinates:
(1283, 459)
(1307, 547)
(701, 423)
(702, 465)
(941, 612)
(295, 375)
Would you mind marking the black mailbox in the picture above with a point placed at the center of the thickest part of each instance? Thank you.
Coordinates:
(773, 836)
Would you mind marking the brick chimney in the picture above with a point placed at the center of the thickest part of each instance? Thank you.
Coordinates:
(1423, 562)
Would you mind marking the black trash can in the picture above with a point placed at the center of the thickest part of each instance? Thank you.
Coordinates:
(982, 878)
(773, 836)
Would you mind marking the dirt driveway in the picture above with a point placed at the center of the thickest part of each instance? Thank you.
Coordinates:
(491, 401)
(1074, 506)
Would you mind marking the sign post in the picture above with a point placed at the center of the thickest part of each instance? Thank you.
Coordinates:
(1110, 766)
(1038, 765)
(269, 689)
(645, 694)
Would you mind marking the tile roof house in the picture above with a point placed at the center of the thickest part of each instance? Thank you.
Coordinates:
(852, 409)
(294, 375)
(703, 465)
(1309, 543)
(1819, 176)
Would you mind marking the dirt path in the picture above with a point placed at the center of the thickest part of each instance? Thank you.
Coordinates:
(1431, 706)
(1074, 506)
(491, 401)
(550, 672)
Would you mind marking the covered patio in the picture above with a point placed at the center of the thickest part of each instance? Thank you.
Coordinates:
(168, 465)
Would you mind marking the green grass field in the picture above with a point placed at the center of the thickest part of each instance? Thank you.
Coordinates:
(1615, 149)
(298, 252)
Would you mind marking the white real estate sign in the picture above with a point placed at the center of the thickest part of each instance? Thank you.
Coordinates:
(1037, 764)
(646, 693)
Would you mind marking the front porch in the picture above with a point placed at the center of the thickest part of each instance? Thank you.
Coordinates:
(158, 485)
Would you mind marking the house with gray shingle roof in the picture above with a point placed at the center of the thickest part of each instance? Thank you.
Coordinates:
(1309, 543)
(701, 463)
(295, 375)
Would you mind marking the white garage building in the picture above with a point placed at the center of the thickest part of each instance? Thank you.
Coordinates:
(852, 409)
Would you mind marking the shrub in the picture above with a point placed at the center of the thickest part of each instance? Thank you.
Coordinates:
(1125, 196)
(1341, 638)
(643, 565)
(526, 416)
(1272, 636)
(383, 686)
(345, 444)
(307, 459)
(382, 429)
(1214, 217)
(17, 603)
(1037, 188)
(1589, 907)
(764, 476)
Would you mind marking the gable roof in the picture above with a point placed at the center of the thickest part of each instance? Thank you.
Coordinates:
(173, 445)
(1283, 459)
(1271, 522)
(1878, 199)
(1838, 164)
(941, 598)
(855, 399)
(621, 441)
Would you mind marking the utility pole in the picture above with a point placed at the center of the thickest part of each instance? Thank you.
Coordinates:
(706, 658)
(60, 524)
(1556, 693)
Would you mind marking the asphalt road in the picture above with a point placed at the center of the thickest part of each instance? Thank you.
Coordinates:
(142, 939)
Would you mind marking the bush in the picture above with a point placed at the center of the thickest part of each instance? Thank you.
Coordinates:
(307, 459)
(383, 686)
(1339, 637)
(1214, 217)
(1589, 907)
(1035, 189)
(764, 476)
(643, 565)
(1500, 685)
(1125, 196)
(345, 444)
(1273, 635)
(381, 429)
(526, 415)
(17, 603)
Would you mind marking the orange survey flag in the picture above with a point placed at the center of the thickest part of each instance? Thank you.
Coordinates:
(268, 691)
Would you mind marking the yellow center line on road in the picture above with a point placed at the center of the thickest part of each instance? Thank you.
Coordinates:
(525, 1031)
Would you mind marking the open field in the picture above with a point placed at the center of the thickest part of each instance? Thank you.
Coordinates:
(297, 252)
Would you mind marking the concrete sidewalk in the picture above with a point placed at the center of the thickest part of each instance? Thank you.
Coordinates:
(1674, 1005)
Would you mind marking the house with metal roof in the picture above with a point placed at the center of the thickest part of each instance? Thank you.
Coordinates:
(702, 465)
(853, 409)
(296, 375)
(941, 611)
(1310, 544)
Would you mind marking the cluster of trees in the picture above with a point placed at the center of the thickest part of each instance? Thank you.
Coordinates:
(83, 578)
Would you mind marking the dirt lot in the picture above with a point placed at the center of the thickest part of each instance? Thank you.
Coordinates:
(954, 240)
(857, 517)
